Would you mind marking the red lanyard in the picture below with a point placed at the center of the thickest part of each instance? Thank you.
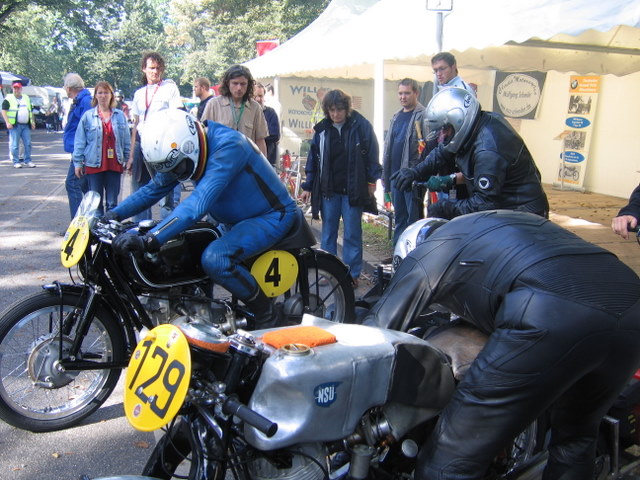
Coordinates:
(148, 101)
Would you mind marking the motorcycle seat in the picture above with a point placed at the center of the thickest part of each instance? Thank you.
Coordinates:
(461, 343)
(299, 235)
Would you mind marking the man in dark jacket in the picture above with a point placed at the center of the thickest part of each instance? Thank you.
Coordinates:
(628, 215)
(403, 148)
(563, 319)
(342, 170)
(491, 157)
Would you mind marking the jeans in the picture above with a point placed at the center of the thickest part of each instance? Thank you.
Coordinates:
(20, 131)
(107, 184)
(76, 188)
(333, 208)
(406, 211)
(139, 178)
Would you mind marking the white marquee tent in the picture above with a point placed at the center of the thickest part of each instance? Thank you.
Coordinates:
(348, 39)
(378, 40)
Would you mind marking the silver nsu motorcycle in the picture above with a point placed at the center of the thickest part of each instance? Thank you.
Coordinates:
(316, 401)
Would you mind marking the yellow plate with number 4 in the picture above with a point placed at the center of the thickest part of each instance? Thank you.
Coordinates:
(157, 378)
(75, 241)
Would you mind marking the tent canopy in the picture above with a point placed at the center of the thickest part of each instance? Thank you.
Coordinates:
(7, 79)
(583, 36)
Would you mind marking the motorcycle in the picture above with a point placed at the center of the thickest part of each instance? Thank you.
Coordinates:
(62, 349)
(298, 402)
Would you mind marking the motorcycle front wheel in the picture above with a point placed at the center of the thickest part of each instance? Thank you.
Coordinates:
(331, 293)
(36, 394)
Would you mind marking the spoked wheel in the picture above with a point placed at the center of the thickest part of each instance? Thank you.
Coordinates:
(330, 293)
(36, 393)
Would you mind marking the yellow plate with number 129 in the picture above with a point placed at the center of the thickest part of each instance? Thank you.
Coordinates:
(157, 378)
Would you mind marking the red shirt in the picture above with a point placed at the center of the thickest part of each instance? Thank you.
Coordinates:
(109, 161)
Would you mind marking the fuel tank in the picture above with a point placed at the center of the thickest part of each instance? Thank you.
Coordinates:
(320, 394)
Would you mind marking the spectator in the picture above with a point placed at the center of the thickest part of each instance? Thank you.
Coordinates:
(563, 319)
(156, 94)
(101, 147)
(80, 103)
(202, 90)
(234, 185)
(53, 116)
(342, 170)
(627, 216)
(18, 117)
(404, 147)
(121, 104)
(273, 124)
(236, 108)
(446, 72)
(492, 158)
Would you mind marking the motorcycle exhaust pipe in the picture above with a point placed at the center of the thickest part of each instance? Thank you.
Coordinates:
(361, 456)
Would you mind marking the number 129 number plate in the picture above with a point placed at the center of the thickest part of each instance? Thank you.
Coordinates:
(157, 378)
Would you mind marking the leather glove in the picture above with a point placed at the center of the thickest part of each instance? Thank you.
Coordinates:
(442, 209)
(404, 178)
(440, 183)
(110, 215)
(131, 242)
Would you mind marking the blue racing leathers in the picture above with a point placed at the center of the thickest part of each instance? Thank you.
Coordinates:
(238, 188)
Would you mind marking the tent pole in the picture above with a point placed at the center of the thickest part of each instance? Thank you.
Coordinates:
(378, 111)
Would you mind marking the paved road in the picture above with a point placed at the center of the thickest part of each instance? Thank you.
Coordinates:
(33, 212)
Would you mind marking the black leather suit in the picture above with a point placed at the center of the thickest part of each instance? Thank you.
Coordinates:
(563, 318)
(497, 167)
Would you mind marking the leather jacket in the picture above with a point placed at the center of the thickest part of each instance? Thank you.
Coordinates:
(499, 171)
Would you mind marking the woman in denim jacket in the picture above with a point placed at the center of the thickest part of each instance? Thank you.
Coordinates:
(101, 146)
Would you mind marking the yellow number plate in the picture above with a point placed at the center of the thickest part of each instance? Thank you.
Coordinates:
(275, 271)
(75, 241)
(157, 378)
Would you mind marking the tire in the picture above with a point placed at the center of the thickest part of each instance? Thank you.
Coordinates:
(330, 291)
(26, 357)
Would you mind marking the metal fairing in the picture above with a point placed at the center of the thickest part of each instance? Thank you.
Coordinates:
(323, 395)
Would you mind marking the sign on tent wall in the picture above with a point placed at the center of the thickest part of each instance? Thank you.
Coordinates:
(517, 95)
(583, 100)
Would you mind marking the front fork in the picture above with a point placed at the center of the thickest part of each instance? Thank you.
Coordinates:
(82, 315)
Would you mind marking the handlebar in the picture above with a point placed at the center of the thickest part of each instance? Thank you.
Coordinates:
(266, 426)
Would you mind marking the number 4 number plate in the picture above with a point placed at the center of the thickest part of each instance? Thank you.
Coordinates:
(157, 378)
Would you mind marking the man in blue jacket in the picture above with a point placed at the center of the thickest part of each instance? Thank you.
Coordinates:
(235, 184)
(81, 97)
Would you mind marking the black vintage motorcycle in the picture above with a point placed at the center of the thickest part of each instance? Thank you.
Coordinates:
(62, 350)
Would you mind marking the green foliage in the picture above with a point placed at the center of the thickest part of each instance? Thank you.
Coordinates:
(215, 34)
(45, 39)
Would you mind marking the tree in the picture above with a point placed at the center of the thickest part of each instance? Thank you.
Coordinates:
(214, 34)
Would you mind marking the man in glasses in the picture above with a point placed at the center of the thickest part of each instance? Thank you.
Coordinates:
(446, 72)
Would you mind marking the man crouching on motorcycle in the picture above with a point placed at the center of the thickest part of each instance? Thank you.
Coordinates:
(235, 184)
(563, 317)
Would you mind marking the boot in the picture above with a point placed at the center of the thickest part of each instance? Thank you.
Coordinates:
(265, 313)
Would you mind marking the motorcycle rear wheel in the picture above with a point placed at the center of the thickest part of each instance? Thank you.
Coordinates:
(331, 293)
(37, 395)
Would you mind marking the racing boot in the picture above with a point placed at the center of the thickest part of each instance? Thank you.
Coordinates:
(265, 313)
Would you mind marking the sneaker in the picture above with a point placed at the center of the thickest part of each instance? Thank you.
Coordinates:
(17, 165)
(30, 165)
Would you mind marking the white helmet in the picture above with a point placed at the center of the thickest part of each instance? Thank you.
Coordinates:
(414, 235)
(172, 141)
(456, 107)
